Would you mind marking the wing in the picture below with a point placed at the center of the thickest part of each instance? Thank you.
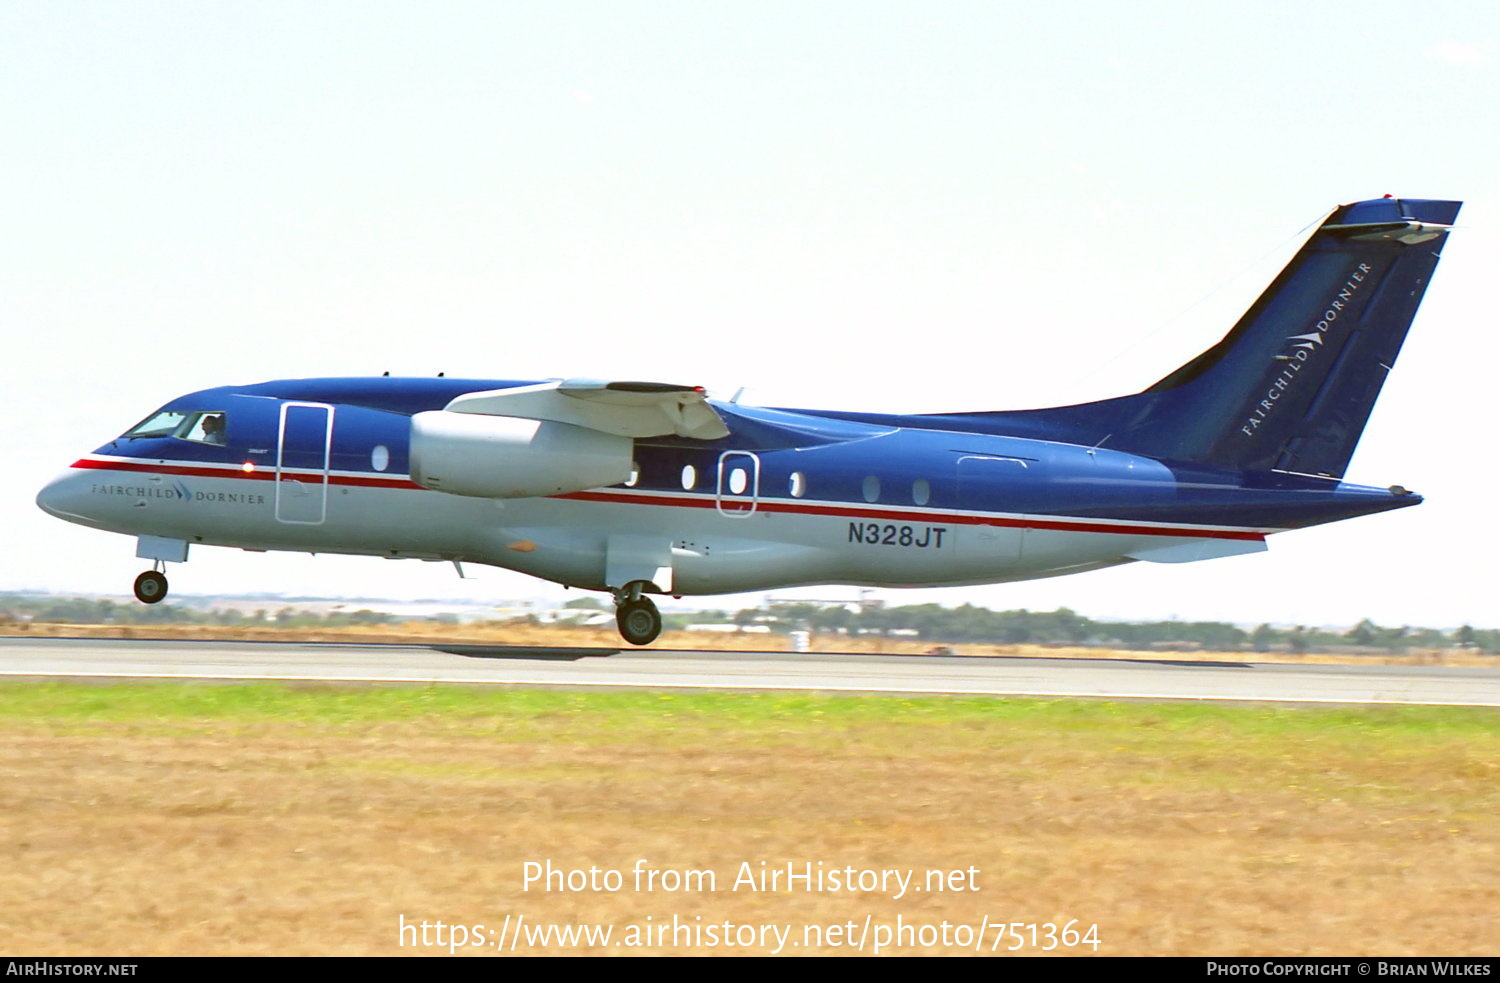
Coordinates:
(625, 409)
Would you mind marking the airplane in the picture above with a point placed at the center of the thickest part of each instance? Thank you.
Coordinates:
(643, 488)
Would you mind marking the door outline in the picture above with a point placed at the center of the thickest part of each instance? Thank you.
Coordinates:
(285, 479)
(724, 494)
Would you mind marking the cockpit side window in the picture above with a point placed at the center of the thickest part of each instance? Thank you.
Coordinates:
(203, 427)
(206, 428)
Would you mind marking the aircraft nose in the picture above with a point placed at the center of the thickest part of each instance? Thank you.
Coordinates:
(62, 496)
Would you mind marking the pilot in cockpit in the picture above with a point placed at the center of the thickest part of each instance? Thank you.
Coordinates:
(213, 429)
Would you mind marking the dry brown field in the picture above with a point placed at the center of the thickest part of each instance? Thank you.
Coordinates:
(314, 821)
(318, 821)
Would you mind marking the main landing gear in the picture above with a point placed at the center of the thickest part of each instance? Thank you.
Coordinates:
(151, 587)
(636, 616)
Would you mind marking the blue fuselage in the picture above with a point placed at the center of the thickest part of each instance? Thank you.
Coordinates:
(788, 497)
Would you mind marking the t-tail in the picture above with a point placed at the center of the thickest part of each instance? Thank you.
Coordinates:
(1291, 387)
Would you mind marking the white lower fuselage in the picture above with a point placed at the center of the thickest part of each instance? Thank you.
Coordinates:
(689, 542)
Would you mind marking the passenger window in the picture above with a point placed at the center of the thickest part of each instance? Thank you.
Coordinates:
(921, 491)
(689, 477)
(871, 488)
(798, 484)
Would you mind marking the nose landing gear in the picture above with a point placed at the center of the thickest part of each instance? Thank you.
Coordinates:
(636, 616)
(151, 586)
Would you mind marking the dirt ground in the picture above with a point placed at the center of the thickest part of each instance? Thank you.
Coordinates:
(226, 836)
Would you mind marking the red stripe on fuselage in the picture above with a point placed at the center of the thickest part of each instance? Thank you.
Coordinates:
(853, 512)
(683, 501)
(259, 474)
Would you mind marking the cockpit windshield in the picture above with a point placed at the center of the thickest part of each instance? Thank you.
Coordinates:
(162, 423)
(206, 427)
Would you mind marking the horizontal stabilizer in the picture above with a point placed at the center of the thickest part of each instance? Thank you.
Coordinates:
(624, 409)
(1199, 549)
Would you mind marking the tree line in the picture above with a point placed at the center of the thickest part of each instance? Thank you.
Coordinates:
(970, 623)
(927, 622)
(15, 609)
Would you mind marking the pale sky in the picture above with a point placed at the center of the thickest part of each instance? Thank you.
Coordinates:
(863, 205)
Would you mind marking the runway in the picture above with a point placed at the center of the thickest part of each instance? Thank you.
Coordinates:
(1122, 678)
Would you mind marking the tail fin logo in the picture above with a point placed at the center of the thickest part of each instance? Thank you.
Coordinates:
(1302, 347)
(1312, 340)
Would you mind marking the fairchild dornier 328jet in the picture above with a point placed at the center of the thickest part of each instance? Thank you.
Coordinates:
(643, 488)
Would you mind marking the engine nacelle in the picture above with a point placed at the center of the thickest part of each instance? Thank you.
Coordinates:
(512, 457)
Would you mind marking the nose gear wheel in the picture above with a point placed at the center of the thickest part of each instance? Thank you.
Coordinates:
(150, 587)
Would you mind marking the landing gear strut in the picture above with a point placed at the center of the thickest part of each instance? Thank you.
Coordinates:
(151, 587)
(636, 616)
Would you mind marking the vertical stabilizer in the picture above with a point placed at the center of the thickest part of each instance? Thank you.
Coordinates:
(1291, 386)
